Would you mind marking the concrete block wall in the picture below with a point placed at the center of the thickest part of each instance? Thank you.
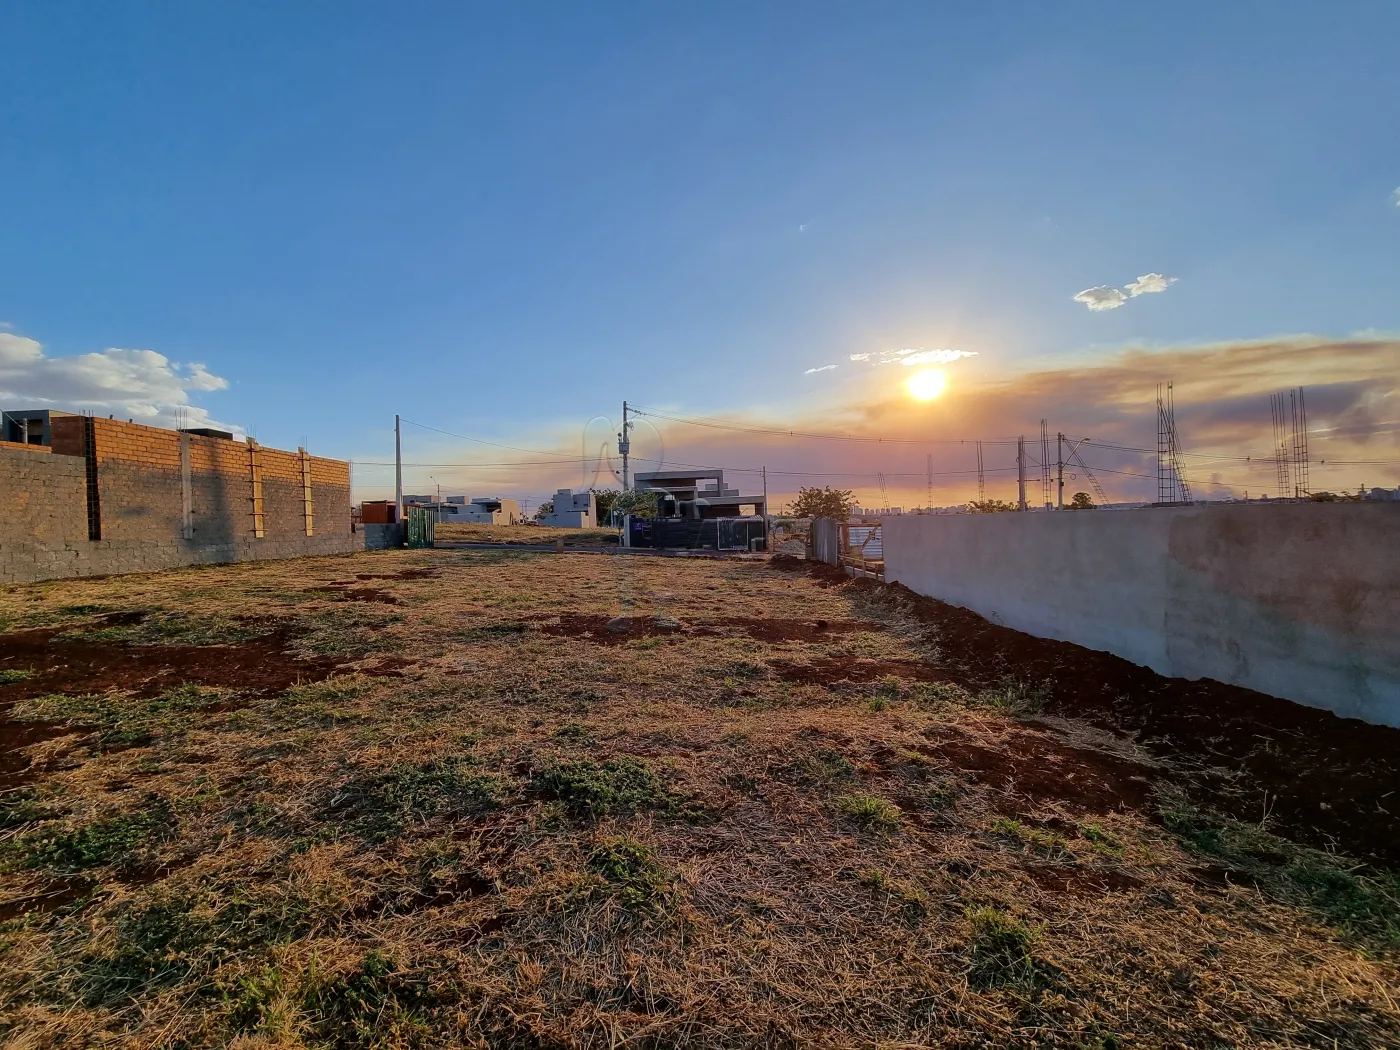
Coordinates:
(1299, 601)
(44, 531)
(42, 497)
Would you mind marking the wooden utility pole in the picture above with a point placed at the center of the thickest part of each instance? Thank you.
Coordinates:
(765, 496)
(1060, 445)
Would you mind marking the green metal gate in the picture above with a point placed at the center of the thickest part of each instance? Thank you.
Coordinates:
(420, 524)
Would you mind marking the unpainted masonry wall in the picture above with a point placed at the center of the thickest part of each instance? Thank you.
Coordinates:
(44, 531)
(1300, 601)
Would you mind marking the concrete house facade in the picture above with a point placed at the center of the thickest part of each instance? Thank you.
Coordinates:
(573, 510)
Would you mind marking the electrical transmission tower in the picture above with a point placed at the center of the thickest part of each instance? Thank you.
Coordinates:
(1171, 483)
(981, 477)
(928, 502)
(884, 494)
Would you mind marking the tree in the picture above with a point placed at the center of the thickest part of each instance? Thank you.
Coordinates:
(989, 506)
(637, 504)
(545, 510)
(823, 503)
(1081, 501)
(606, 498)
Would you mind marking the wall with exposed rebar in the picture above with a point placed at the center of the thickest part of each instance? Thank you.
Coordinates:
(1300, 601)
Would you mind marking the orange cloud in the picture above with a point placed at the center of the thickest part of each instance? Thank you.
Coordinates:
(1222, 410)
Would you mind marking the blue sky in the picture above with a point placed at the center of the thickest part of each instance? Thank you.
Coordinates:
(500, 220)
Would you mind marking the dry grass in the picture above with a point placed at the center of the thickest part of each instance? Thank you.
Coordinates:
(468, 532)
(759, 816)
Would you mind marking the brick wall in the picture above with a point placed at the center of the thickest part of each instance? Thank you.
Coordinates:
(44, 513)
(24, 447)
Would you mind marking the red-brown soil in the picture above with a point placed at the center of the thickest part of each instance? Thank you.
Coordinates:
(1323, 780)
(1034, 767)
(833, 669)
(74, 665)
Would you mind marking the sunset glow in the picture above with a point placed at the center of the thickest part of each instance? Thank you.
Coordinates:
(925, 386)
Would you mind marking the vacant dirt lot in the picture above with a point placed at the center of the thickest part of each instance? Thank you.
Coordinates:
(496, 798)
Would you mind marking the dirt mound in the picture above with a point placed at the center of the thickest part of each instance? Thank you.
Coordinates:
(1322, 779)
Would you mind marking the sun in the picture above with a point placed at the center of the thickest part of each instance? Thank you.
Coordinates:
(925, 386)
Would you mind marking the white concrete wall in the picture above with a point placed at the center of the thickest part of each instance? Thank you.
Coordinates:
(1300, 601)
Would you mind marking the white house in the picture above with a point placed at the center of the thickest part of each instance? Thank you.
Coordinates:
(573, 510)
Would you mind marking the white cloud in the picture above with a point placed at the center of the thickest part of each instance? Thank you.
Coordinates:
(913, 356)
(1397, 196)
(1149, 283)
(823, 368)
(1102, 297)
(136, 384)
(927, 357)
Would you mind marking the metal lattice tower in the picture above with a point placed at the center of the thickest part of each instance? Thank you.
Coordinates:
(1171, 483)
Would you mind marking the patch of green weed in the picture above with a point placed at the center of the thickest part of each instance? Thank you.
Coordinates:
(1346, 894)
(123, 720)
(630, 871)
(382, 805)
(162, 939)
(103, 841)
(595, 789)
(1001, 949)
(379, 1004)
(1025, 835)
(935, 693)
(870, 812)
(173, 628)
(1017, 698)
(9, 675)
(491, 632)
(826, 768)
(21, 807)
(1100, 839)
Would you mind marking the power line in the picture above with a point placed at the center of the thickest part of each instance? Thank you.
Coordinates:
(803, 434)
(480, 441)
